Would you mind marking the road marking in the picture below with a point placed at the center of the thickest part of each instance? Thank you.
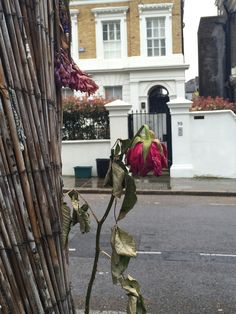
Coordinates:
(217, 255)
(218, 204)
(72, 249)
(201, 254)
(149, 252)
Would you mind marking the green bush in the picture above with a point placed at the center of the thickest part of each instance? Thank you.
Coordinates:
(85, 118)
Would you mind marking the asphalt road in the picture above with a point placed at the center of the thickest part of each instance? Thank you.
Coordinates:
(187, 259)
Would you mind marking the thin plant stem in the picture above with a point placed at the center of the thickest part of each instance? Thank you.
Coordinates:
(97, 253)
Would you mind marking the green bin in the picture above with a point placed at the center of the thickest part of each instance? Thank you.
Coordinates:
(83, 171)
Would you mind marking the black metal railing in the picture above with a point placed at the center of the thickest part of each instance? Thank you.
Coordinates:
(156, 122)
(86, 125)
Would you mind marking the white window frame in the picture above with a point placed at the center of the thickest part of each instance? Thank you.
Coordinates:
(74, 13)
(111, 14)
(113, 87)
(154, 11)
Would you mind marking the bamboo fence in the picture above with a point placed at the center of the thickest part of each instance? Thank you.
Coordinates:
(33, 264)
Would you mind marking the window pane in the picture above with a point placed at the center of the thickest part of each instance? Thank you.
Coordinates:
(111, 26)
(105, 36)
(104, 31)
(162, 32)
(149, 23)
(118, 35)
(111, 35)
(149, 52)
(118, 26)
(149, 32)
(155, 23)
(156, 32)
(156, 43)
(156, 51)
(149, 43)
(163, 42)
(162, 22)
(163, 51)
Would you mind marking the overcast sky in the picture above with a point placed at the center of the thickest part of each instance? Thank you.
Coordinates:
(193, 10)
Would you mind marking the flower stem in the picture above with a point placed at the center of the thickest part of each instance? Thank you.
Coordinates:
(97, 253)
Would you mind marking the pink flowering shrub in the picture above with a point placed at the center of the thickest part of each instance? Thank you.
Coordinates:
(84, 104)
(209, 103)
(85, 118)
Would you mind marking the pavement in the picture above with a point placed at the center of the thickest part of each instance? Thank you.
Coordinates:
(160, 185)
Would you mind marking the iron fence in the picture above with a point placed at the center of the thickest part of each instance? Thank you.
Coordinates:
(156, 122)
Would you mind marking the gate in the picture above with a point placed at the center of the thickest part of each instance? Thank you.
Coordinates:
(160, 123)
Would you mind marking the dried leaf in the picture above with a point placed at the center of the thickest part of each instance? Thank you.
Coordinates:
(108, 177)
(136, 302)
(124, 243)
(130, 198)
(118, 175)
(132, 305)
(82, 217)
(66, 224)
(118, 265)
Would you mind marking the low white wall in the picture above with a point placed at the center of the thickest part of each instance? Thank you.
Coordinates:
(213, 143)
(83, 153)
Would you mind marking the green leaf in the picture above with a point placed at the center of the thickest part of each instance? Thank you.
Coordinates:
(118, 175)
(124, 243)
(125, 145)
(66, 224)
(130, 197)
(146, 147)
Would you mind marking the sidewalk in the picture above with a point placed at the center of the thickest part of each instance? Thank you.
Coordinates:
(160, 185)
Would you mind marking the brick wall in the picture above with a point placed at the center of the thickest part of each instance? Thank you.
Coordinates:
(86, 24)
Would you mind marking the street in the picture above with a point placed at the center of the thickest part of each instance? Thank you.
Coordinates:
(187, 255)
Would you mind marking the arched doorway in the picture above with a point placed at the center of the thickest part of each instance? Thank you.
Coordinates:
(158, 97)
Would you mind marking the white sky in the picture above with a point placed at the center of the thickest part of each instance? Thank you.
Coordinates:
(193, 10)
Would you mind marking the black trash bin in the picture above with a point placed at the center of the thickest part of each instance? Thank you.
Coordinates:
(102, 166)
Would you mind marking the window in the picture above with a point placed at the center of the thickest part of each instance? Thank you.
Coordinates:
(156, 42)
(111, 39)
(155, 29)
(113, 92)
(111, 32)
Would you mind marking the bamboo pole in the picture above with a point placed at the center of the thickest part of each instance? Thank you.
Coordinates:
(34, 272)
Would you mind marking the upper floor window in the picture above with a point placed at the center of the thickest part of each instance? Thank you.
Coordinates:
(111, 32)
(156, 41)
(155, 29)
(111, 39)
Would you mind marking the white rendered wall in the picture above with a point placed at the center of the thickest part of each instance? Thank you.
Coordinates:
(213, 143)
(83, 153)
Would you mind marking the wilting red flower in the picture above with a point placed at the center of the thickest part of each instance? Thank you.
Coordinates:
(68, 74)
(148, 154)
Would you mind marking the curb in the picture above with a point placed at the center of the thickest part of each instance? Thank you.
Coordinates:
(99, 312)
(160, 192)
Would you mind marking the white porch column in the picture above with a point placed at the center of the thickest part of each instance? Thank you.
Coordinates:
(181, 138)
(75, 35)
(118, 114)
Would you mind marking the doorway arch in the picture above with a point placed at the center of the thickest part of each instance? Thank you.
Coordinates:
(158, 97)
